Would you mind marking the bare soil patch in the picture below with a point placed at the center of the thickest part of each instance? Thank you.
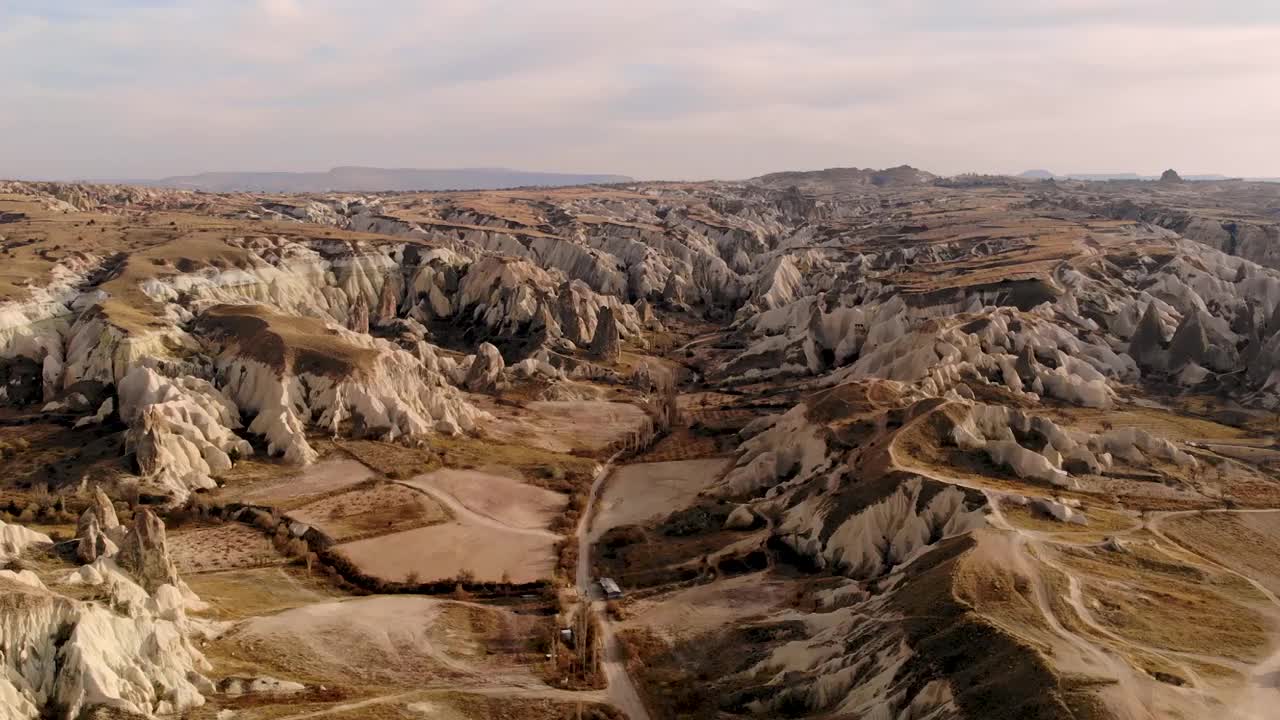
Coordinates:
(506, 500)
(214, 548)
(324, 477)
(489, 553)
(590, 426)
(377, 641)
(368, 512)
(640, 492)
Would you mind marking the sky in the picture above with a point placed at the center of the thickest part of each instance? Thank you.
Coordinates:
(660, 89)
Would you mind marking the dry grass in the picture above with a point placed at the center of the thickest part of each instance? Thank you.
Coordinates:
(288, 343)
(998, 674)
(1102, 523)
(683, 444)
(393, 460)
(1161, 423)
(1145, 597)
(44, 453)
(556, 471)
(1246, 542)
(34, 245)
(380, 642)
(237, 594)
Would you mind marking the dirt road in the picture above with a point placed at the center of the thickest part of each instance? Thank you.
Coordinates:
(621, 691)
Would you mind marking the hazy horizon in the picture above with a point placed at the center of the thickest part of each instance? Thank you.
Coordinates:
(606, 171)
(147, 89)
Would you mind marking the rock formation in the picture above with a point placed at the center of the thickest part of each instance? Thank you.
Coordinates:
(606, 345)
(486, 369)
(925, 384)
(1146, 346)
(145, 553)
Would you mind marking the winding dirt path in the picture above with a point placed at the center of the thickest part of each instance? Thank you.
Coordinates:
(621, 689)
(1098, 652)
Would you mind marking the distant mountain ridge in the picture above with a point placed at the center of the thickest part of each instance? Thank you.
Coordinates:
(372, 179)
(1040, 174)
(844, 179)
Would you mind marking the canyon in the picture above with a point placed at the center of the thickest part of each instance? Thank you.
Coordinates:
(844, 444)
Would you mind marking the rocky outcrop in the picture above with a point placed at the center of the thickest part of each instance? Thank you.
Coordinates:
(181, 429)
(103, 509)
(291, 373)
(606, 344)
(93, 541)
(61, 657)
(15, 539)
(1146, 347)
(389, 299)
(145, 553)
(486, 369)
(358, 320)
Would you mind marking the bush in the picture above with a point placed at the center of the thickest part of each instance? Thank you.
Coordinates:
(552, 472)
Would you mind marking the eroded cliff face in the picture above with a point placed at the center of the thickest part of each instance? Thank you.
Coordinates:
(195, 374)
(535, 275)
(132, 649)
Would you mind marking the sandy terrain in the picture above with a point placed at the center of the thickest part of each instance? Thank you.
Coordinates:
(498, 531)
(444, 551)
(228, 546)
(504, 499)
(564, 426)
(642, 491)
(324, 477)
(474, 543)
(378, 640)
(369, 512)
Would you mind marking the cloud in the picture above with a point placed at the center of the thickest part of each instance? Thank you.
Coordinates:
(719, 88)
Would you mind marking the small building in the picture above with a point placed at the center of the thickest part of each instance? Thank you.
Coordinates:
(610, 588)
